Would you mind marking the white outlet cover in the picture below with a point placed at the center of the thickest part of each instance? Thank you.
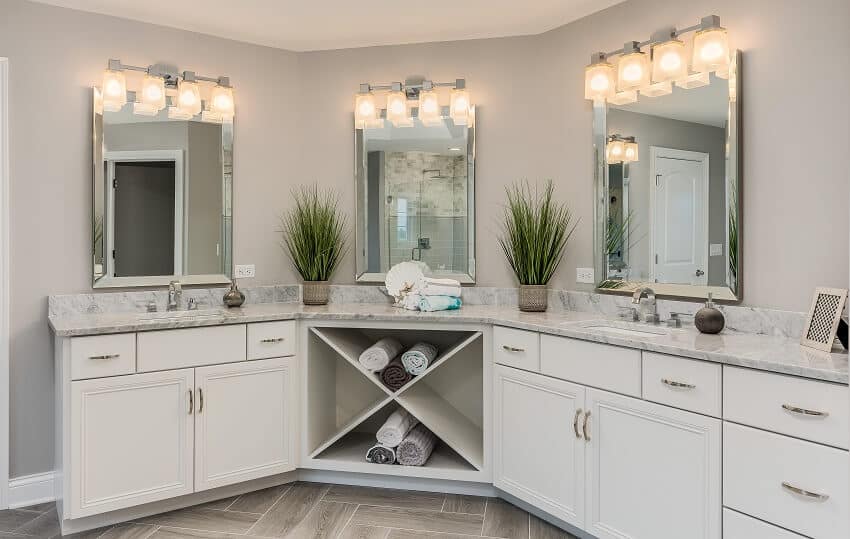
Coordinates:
(242, 271)
(715, 249)
(584, 275)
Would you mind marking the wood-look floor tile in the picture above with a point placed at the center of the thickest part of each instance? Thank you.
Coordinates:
(289, 510)
(540, 529)
(259, 501)
(209, 520)
(502, 519)
(417, 519)
(89, 534)
(460, 503)
(12, 519)
(221, 504)
(364, 532)
(45, 525)
(128, 531)
(385, 497)
(40, 507)
(325, 521)
(411, 534)
(178, 533)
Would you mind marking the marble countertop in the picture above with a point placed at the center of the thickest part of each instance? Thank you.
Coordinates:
(763, 352)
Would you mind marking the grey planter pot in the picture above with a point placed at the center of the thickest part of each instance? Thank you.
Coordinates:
(533, 298)
(316, 292)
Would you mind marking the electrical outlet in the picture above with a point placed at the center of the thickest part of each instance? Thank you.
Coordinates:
(585, 275)
(241, 271)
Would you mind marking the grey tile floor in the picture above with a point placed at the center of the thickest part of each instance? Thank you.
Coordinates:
(311, 510)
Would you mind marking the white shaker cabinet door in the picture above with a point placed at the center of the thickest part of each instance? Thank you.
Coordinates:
(131, 440)
(539, 451)
(653, 472)
(244, 421)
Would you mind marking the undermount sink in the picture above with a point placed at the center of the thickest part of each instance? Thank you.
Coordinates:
(627, 329)
(184, 315)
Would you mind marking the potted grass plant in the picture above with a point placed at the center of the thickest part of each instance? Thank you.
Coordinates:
(314, 236)
(535, 231)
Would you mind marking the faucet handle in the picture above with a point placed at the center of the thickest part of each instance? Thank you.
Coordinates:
(175, 285)
(675, 320)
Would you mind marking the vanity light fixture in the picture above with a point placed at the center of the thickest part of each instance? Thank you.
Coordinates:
(624, 98)
(669, 62)
(621, 149)
(159, 85)
(367, 115)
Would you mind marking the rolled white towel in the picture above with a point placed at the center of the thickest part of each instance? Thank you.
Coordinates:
(417, 359)
(442, 282)
(396, 427)
(379, 355)
(426, 286)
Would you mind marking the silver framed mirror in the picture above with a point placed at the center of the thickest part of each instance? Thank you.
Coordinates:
(162, 199)
(669, 214)
(415, 189)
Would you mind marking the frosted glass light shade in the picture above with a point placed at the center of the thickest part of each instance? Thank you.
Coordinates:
(429, 108)
(694, 81)
(624, 98)
(630, 153)
(364, 110)
(599, 81)
(397, 109)
(153, 92)
(221, 102)
(669, 61)
(177, 113)
(633, 71)
(460, 106)
(145, 109)
(615, 151)
(189, 98)
(711, 50)
(658, 89)
(114, 90)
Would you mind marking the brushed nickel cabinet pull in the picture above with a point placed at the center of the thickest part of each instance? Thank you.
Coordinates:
(200, 400)
(273, 340)
(575, 423)
(512, 349)
(797, 490)
(191, 402)
(585, 425)
(803, 411)
(678, 385)
(105, 357)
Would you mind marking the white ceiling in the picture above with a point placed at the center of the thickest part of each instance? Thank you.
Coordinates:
(304, 25)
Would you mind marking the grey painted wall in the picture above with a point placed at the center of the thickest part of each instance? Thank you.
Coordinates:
(294, 111)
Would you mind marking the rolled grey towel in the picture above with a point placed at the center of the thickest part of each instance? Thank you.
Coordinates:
(380, 454)
(416, 447)
(419, 357)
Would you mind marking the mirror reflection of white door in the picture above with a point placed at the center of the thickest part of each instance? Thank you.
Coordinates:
(679, 206)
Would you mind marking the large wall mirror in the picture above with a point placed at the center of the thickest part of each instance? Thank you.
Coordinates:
(668, 187)
(162, 199)
(415, 198)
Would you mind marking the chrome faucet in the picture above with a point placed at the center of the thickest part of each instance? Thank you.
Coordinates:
(175, 294)
(651, 316)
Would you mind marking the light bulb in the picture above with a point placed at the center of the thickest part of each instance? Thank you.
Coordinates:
(114, 90)
(615, 151)
(599, 81)
(364, 110)
(397, 109)
(459, 106)
(668, 61)
(221, 102)
(630, 153)
(429, 108)
(633, 71)
(189, 98)
(711, 50)
(153, 93)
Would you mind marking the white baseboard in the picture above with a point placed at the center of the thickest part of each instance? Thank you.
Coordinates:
(29, 490)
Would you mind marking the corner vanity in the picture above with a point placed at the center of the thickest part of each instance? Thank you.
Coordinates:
(602, 427)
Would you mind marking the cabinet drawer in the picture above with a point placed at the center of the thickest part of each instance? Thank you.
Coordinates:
(103, 355)
(516, 348)
(599, 365)
(738, 526)
(271, 339)
(817, 411)
(181, 348)
(763, 471)
(683, 383)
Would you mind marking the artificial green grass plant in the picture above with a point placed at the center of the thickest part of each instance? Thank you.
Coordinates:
(536, 230)
(314, 233)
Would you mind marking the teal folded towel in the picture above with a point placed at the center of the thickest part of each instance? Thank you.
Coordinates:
(439, 303)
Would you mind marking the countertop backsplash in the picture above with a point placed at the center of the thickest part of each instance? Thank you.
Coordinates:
(742, 319)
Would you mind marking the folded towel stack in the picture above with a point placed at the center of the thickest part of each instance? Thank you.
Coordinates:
(389, 436)
(395, 375)
(430, 294)
(417, 359)
(428, 286)
(416, 447)
(378, 356)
